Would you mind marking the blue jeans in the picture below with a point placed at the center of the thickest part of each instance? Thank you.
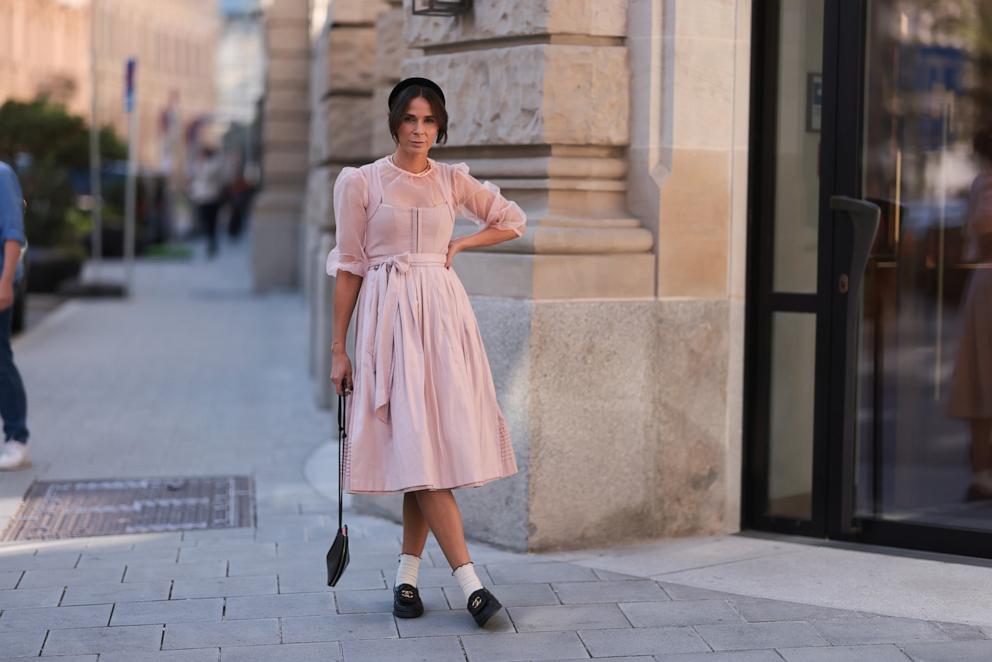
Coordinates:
(13, 400)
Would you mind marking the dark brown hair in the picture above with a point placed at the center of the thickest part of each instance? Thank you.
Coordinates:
(398, 111)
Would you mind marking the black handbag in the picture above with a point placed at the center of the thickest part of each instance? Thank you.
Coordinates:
(337, 555)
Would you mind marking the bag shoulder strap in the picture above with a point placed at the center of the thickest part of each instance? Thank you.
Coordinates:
(342, 437)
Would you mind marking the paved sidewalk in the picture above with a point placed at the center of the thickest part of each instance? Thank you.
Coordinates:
(195, 376)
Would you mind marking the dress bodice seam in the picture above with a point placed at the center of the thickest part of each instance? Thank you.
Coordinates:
(389, 206)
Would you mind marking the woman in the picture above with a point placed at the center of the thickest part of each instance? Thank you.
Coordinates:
(971, 385)
(423, 419)
(206, 192)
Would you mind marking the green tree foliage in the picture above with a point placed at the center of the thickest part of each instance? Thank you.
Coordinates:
(57, 143)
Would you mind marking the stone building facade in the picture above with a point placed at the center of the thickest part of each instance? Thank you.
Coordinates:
(614, 326)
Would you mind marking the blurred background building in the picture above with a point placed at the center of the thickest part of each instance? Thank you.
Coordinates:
(175, 43)
(200, 80)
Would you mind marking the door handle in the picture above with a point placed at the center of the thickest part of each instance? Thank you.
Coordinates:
(857, 239)
(855, 224)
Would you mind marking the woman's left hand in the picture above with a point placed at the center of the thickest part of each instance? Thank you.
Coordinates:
(454, 248)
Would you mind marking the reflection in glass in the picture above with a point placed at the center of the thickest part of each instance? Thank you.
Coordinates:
(924, 432)
(971, 384)
(797, 178)
(793, 377)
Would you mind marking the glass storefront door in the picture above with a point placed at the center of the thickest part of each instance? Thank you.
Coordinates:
(889, 102)
(925, 389)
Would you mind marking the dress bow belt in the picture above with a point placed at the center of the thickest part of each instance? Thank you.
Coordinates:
(397, 267)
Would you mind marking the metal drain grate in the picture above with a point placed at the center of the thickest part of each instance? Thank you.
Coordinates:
(76, 508)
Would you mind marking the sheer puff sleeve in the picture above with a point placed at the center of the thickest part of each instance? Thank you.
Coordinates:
(350, 202)
(482, 203)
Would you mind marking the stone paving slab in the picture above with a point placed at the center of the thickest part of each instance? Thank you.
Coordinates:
(780, 634)
(80, 577)
(167, 611)
(55, 617)
(567, 617)
(96, 594)
(643, 641)
(636, 590)
(956, 651)
(688, 612)
(273, 606)
(220, 587)
(149, 572)
(308, 629)
(523, 646)
(57, 560)
(731, 656)
(426, 649)
(873, 653)
(124, 639)
(260, 595)
(22, 642)
(229, 633)
(191, 655)
(319, 652)
(878, 630)
(26, 597)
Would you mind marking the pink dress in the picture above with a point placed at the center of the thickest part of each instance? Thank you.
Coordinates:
(423, 414)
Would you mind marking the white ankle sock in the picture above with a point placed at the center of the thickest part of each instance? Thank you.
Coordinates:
(467, 579)
(407, 572)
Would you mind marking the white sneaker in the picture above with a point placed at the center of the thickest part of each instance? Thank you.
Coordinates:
(15, 455)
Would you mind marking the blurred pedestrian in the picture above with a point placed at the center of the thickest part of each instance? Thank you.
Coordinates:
(239, 198)
(13, 399)
(207, 193)
(971, 383)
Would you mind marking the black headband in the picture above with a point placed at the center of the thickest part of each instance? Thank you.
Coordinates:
(410, 82)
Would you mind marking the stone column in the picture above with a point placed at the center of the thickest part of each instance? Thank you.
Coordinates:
(345, 121)
(276, 218)
(538, 94)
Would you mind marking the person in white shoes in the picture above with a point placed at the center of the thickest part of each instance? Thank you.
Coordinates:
(13, 400)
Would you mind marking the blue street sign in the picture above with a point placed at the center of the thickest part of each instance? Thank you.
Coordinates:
(129, 81)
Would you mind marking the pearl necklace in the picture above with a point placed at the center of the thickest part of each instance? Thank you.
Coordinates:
(392, 159)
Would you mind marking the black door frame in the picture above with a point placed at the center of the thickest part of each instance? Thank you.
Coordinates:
(762, 301)
(841, 171)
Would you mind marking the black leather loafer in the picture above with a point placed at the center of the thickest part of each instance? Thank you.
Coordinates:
(406, 602)
(483, 605)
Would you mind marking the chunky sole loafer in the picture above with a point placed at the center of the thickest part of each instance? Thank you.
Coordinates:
(406, 602)
(483, 605)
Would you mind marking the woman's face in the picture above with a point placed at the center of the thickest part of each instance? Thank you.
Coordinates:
(418, 130)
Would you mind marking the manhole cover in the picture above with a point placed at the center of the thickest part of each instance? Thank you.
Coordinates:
(77, 508)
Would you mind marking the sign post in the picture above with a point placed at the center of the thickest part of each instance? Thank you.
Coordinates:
(130, 199)
(96, 243)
